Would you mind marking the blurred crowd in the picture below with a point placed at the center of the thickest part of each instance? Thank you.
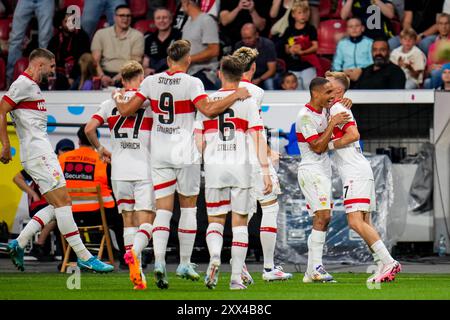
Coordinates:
(379, 44)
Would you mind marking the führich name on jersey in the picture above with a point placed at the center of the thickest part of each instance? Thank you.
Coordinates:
(130, 145)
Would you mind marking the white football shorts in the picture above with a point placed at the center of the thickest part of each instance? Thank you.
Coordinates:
(223, 200)
(316, 187)
(46, 172)
(359, 195)
(185, 180)
(134, 195)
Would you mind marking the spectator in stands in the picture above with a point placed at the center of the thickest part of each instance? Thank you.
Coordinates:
(445, 77)
(235, 13)
(421, 16)
(115, 45)
(83, 168)
(300, 41)
(93, 11)
(353, 51)
(67, 44)
(314, 10)
(202, 32)
(279, 8)
(156, 44)
(434, 64)
(289, 81)
(37, 202)
(410, 58)
(360, 9)
(210, 7)
(88, 79)
(266, 63)
(25, 9)
(382, 74)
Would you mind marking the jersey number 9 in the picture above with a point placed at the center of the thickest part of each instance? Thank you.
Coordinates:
(167, 106)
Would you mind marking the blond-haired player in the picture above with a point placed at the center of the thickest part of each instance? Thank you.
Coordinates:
(130, 168)
(358, 183)
(268, 202)
(228, 171)
(26, 105)
(175, 163)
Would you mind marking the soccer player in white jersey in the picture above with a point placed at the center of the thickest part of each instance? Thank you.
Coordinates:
(314, 171)
(130, 168)
(228, 171)
(26, 105)
(269, 202)
(175, 161)
(358, 183)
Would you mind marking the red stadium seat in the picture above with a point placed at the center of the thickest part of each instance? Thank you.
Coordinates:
(79, 3)
(326, 9)
(396, 27)
(20, 67)
(281, 65)
(145, 26)
(2, 74)
(325, 66)
(139, 8)
(172, 6)
(102, 23)
(5, 28)
(329, 33)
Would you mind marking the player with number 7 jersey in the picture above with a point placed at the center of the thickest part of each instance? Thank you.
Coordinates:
(175, 164)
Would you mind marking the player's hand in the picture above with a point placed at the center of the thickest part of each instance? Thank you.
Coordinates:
(117, 94)
(104, 154)
(5, 156)
(340, 118)
(346, 102)
(267, 184)
(242, 93)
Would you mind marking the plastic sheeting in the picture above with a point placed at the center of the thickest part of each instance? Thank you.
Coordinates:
(421, 193)
(342, 244)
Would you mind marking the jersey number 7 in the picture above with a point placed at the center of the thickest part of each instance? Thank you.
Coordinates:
(136, 125)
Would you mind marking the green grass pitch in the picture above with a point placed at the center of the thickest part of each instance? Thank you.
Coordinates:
(113, 286)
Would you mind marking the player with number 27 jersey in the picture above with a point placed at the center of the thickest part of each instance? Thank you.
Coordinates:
(130, 139)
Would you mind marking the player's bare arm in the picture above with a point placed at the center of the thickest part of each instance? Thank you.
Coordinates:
(212, 109)
(91, 133)
(320, 145)
(351, 135)
(128, 108)
(346, 102)
(261, 152)
(5, 155)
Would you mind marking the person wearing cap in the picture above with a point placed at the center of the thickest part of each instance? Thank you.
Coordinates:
(36, 202)
(445, 77)
(83, 168)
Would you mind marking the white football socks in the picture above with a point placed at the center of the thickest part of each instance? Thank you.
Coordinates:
(187, 230)
(268, 233)
(316, 240)
(142, 238)
(239, 248)
(39, 220)
(382, 252)
(161, 232)
(214, 240)
(128, 237)
(69, 230)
